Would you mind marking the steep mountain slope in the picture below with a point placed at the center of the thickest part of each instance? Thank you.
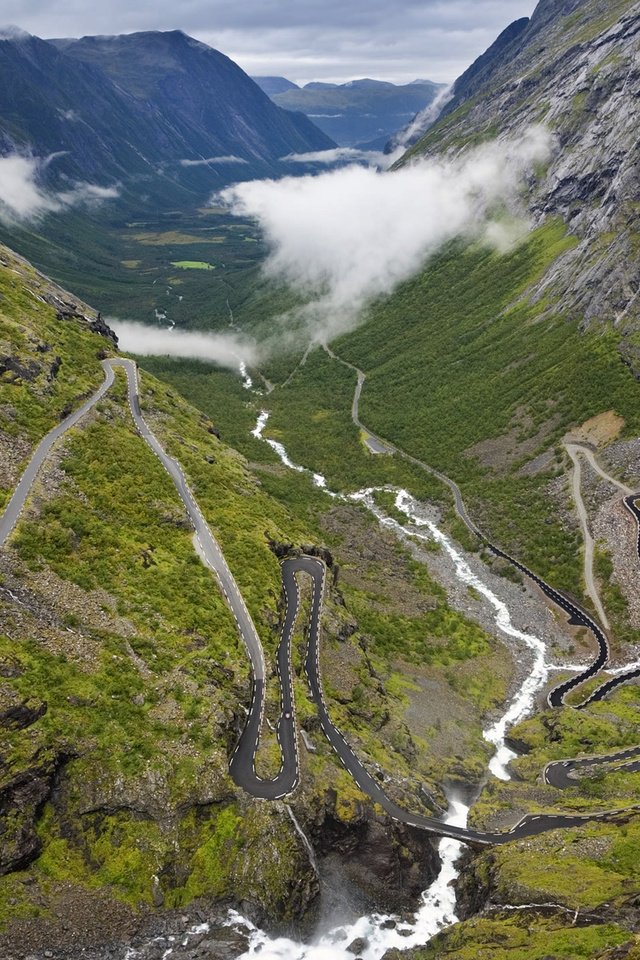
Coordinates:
(205, 97)
(549, 330)
(104, 122)
(573, 68)
(51, 105)
(360, 111)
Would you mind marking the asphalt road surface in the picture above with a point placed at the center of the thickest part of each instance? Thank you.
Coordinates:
(576, 614)
(370, 783)
(242, 763)
(558, 773)
(12, 511)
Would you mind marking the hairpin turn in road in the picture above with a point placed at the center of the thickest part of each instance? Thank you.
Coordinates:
(242, 762)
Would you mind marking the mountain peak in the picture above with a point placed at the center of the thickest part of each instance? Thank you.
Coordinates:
(571, 68)
(273, 85)
(12, 32)
(142, 96)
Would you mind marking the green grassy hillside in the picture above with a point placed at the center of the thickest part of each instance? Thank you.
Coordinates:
(467, 372)
(122, 665)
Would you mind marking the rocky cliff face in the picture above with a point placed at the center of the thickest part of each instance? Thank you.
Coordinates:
(574, 68)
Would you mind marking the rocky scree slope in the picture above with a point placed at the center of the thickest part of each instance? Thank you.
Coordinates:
(122, 679)
(574, 67)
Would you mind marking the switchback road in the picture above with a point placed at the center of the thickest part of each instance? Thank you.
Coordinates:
(558, 772)
(530, 825)
(242, 763)
(576, 614)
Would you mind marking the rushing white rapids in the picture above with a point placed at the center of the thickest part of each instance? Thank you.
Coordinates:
(438, 905)
(437, 908)
(523, 702)
(247, 382)
(379, 931)
(425, 529)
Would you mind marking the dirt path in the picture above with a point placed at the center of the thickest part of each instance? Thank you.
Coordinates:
(574, 451)
(598, 469)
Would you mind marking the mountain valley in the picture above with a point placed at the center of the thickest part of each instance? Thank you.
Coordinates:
(444, 458)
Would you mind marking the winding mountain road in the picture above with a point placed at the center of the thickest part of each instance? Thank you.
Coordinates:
(529, 825)
(597, 468)
(631, 502)
(577, 615)
(574, 452)
(12, 511)
(558, 772)
(242, 762)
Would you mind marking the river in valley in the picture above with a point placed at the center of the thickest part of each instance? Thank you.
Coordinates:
(375, 933)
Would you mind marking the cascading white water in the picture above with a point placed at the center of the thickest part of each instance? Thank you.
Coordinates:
(523, 702)
(379, 931)
(437, 908)
(438, 903)
(318, 479)
(426, 529)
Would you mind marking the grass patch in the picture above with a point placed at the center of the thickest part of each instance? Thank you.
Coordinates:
(192, 265)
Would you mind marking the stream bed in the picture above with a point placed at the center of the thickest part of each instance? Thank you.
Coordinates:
(373, 934)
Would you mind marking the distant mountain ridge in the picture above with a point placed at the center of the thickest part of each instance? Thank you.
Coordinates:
(158, 108)
(271, 85)
(364, 112)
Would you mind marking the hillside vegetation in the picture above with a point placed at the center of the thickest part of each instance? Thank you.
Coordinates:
(123, 679)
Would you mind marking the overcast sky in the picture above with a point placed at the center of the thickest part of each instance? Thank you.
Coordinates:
(338, 40)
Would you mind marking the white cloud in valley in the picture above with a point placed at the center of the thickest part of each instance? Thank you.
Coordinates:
(223, 349)
(207, 161)
(24, 197)
(342, 155)
(20, 196)
(345, 237)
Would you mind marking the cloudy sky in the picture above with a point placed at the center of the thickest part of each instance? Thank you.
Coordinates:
(337, 40)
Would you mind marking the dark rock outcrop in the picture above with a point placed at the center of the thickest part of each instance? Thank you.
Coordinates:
(22, 795)
(99, 326)
(13, 370)
(16, 713)
(391, 864)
